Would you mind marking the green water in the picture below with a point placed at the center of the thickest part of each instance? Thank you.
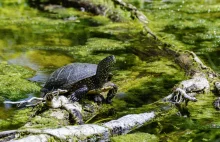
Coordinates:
(45, 41)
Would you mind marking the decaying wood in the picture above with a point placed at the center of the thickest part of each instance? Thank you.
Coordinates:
(199, 83)
(83, 132)
(188, 89)
(135, 13)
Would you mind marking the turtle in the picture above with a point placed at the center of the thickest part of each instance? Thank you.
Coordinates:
(80, 79)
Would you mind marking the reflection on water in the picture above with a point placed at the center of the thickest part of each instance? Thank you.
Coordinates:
(41, 77)
(43, 62)
(23, 60)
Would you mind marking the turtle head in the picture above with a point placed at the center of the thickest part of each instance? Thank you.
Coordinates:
(103, 69)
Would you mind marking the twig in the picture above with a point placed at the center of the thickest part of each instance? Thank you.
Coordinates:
(197, 60)
(137, 14)
(19, 103)
(26, 103)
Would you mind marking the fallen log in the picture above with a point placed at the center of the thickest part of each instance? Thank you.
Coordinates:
(87, 132)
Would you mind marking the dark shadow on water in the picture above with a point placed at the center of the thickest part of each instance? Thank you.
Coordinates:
(150, 91)
(186, 35)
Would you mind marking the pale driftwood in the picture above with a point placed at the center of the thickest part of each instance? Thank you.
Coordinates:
(85, 132)
(179, 96)
(25, 102)
(187, 87)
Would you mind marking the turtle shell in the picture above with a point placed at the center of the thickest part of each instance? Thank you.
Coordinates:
(69, 74)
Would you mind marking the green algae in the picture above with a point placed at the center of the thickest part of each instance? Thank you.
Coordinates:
(14, 84)
(51, 118)
(191, 25)
(15, 119)
(140, 137)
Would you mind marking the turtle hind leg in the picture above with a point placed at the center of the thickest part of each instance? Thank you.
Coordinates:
(111, 93)
(79, 93)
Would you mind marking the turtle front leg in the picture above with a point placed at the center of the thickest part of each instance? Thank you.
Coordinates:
(79, 93)
(111, 93)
